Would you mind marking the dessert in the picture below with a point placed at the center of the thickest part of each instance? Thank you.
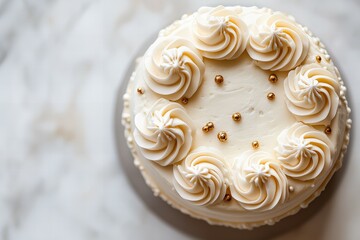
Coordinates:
(237, 116)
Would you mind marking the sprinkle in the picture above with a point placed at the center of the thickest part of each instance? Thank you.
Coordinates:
(318, 58)
(140, 90)
(219, 79)
(273, 78)
(271, 96)
(210, 125)
(255, 144)
(327, 130)
(227, 197)
(222, 136)
(236, 116)
(185, 100)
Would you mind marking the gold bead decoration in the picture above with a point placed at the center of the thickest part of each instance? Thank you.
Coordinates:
(227, 197)
(273, 78)
(271, 96)
(236, 117)
(205, 128)
(140, 90)
(210, 125)
(219, 79)
(318, 58)
(222, 136)
(185, 100)
(291, 188)
(327, 130)
(255, 144)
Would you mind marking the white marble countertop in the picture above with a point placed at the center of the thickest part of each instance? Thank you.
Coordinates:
(61, 176)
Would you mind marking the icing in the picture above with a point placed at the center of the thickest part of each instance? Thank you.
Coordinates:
(195, 181)
(277, 43)
(200, 178)
(258, 182)
(174, 68)
(304, 151)
(312, 94)
(164, 133)
(219, 33)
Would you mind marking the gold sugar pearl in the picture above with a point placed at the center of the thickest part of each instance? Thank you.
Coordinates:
(222, 136)
(227, 197)
(236, 116)
(327, 130)
(255, 144)
(219, 79)
(210, 125)
(271, 96)
(140, 90)
(205, 128)
(273, 78)
(185, 100)
(318, 58)
(291, 189)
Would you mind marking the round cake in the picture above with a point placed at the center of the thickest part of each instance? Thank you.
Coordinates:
(237, 116)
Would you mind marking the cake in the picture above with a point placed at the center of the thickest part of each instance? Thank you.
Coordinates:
(237, 116)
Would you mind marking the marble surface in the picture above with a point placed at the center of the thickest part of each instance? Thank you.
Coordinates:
(62, 173)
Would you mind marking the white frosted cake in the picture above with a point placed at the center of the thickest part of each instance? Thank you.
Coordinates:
(237, 116)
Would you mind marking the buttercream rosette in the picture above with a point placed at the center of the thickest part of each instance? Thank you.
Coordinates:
(277, 43)
(304, 152)
(258, 182)
(174, 68)
(219, 33)
(312, 94)
(201, 177)
(164, 134)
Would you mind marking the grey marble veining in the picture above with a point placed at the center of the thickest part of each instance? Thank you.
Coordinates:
(61, 177)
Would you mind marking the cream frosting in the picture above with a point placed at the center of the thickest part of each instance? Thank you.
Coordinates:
(312, 94)
(164, 134)
(174, 68)
(195, 181)
(201, 177)
(258, 183)
(219, 33)
(277, 43)
(304, 152)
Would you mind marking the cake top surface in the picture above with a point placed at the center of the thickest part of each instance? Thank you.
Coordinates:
(236, 103)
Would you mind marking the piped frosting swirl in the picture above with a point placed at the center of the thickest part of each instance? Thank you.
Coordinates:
(201, 177)
(219, 33)
(164, 134)
(258, 184)
(277, 43)
(312, 94)
(174, 68)
(304, 152)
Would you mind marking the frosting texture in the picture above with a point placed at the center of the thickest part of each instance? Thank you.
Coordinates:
(219, 33)
(304, 152)
(277, 43)
(201, 177)
(312, 94)
(229, 180)
(174, 68)
(258, 184)
(164, 134)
